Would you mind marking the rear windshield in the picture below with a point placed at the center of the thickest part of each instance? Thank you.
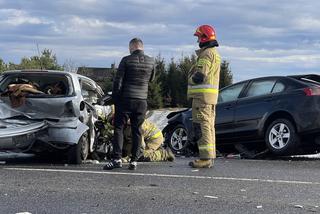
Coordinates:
(36, 84)
(309, 79)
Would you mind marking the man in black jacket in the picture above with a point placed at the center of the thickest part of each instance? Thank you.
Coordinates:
(130, 92)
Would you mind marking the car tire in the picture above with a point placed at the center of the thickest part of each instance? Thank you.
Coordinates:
(79, 152)
(177, 139)
(281, 137)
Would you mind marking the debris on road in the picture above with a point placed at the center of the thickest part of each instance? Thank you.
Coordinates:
(243, 190)
(209, 196)
(2, 162)
(298, 206)
(195, 170)
(233, 156)
(195, 193)
(259, 207)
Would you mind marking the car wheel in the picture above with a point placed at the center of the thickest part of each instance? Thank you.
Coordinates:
(79, 152)
(281, 137)
(178, 139)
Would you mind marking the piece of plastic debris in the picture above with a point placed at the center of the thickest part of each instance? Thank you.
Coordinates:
(259, 207)
(233, 156)
(195, 193)
(298, 206)
(209, 196)
(23, 213)
(195, 170)
(243, 190)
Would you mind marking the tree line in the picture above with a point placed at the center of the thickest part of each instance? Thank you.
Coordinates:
(169, 89)
(170, 86)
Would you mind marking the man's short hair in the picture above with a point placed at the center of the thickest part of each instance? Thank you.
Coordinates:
(136, 43)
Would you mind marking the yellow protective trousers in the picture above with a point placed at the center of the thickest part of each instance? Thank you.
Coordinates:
(203, 116)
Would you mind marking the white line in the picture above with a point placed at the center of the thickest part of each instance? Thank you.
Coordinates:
(169, 176)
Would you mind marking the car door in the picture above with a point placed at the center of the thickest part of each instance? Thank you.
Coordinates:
(253, 106)
(225, 110)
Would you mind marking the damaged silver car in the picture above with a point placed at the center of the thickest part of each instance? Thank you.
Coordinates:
(48, 110)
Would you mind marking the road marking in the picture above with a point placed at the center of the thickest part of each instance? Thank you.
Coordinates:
(168, 176)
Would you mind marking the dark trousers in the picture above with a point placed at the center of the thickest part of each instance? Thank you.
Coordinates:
(135, 109)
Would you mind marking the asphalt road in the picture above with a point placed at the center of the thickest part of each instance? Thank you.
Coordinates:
(232, 186)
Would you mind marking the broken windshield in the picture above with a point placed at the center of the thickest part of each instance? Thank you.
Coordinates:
(36, 85)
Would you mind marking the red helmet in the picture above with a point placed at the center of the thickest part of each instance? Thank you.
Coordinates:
(205, 33)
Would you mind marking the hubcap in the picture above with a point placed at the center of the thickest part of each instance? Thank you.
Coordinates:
(179, 139)
(279, 136)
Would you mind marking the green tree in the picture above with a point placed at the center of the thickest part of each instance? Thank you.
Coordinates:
(155, 98)
(176, 83)
(47, 60)
(185, 65)
(226, 77)
(3, 66)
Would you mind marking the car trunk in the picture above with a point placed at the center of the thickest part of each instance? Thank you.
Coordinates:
(43, 107)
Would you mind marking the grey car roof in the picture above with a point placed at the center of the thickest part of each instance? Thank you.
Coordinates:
(39, 71)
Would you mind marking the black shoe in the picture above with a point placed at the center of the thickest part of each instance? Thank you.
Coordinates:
(144, 159)
(113, 164)
(133, 165)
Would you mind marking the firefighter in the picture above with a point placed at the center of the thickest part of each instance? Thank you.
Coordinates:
(203, 88)
(151, 145)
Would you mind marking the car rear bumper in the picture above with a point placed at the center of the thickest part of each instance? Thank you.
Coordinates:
(15, 131)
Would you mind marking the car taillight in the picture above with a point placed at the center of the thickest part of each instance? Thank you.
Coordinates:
(312, 91)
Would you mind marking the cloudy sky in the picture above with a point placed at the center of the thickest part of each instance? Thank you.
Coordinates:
(257, 38)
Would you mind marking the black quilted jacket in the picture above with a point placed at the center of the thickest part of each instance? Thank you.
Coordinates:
(133, 76)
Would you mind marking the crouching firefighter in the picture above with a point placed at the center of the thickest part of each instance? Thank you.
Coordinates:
(151, 145)
(203, 88)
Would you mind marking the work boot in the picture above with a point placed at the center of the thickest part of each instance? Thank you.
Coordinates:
(113, 164)
(133, 165)
(170, 155)
(208, 163)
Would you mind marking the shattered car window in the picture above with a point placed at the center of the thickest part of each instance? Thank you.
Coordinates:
(36, 85)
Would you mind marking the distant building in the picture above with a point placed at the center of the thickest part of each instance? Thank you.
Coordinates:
(100, 75)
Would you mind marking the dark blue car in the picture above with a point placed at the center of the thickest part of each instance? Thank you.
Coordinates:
(278, 113)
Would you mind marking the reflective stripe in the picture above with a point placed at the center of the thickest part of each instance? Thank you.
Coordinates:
(209, 147)
(203, 86)
(203, 90)
(202, 62)
(158, 134)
